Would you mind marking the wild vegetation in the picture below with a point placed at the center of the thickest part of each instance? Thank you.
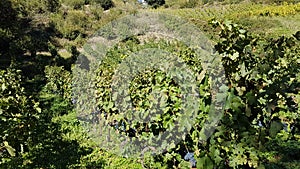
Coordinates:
(259, 42)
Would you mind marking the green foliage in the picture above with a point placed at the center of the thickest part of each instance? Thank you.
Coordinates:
(250, 15)
(75, 4)
(105, 4)
(270, 10)
(140, 88)
(78, 4)
(53, 5)
(59, 82)
(25, 29)
(261, 111)
(190, 4)
(39, 126)
(263, 75)
(18, 116)
(72, 24)
(156, 3)
(7, 13)
(40, 131)
(31, 8)
(7, 32)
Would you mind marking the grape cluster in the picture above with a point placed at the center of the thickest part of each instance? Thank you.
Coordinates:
(190, 157)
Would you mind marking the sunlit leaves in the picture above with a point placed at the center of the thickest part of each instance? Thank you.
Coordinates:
(261, 105)
(17, 114)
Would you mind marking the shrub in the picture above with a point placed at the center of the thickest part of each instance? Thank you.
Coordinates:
(190, 4)
(75, 4)
(71, 25)
(156, 3)
(105, 4)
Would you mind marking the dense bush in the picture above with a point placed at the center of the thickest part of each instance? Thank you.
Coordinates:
(105, 4)
(190, 4)
(18, 116)
(156, 3)
(261, 112)
(140, 90)
(75, 4)
(71, 25)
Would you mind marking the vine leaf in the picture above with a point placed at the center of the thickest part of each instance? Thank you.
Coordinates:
(10, 150)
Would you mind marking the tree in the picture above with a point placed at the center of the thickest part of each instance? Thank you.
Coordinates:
(8, 31)
(7, 13)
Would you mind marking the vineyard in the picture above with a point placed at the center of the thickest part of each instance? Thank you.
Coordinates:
(259, 18)
(217, 81)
